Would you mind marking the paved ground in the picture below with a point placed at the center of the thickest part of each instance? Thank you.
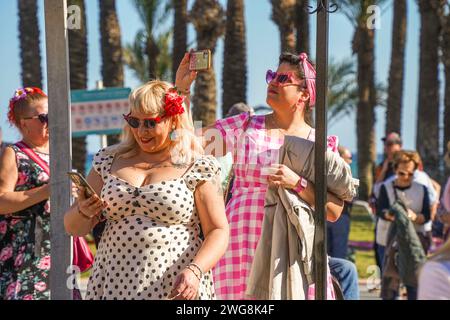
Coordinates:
(365, 293)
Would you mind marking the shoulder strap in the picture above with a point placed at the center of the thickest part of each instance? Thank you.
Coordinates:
(33, 156)
(395, 191)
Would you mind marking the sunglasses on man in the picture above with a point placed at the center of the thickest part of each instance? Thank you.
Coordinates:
(149, 123)
(405, 174)
(43, 118)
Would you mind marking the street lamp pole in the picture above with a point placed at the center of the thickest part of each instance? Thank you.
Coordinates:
(320, 240)
(60, 144)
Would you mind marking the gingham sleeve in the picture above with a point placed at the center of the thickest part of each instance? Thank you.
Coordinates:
(205, 168)
(230, 129)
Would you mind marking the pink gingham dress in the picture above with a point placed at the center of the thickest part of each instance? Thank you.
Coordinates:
(245, 210)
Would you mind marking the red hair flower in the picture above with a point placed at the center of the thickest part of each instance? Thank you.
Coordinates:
(173, 104)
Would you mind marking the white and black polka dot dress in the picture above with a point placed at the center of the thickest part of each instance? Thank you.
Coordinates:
(152, 233)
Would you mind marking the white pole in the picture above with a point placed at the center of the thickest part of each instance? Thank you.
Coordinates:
(60, 145)
(103, 137)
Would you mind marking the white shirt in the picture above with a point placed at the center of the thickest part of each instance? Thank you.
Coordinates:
(434, 281)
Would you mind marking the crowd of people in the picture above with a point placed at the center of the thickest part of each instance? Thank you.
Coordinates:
(223, 213)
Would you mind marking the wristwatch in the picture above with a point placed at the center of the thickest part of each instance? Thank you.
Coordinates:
(301, 185)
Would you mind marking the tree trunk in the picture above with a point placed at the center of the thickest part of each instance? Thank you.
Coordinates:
(235, 57)
(397, 70)
(152, 53)
(30, 52)
(364, 46)
(78, 60)
(112, 57)
(302, 26)
(208, 19)
(179, 34)
(446, 60)
(283, 14)
(427, 139)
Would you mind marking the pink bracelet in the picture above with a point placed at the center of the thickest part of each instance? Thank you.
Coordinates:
(301, 185)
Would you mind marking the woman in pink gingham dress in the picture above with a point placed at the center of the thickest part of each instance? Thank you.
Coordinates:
(291, 94)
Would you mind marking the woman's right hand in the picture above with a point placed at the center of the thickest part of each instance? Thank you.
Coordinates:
(92, 206)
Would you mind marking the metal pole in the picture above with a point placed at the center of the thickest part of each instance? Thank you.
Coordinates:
(103, 137)
(320, 241)
(60, 144)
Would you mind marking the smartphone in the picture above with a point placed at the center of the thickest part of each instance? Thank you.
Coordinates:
(81, 182)
(200, 60)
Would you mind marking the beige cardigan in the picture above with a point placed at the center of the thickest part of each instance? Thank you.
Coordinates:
(282, 265)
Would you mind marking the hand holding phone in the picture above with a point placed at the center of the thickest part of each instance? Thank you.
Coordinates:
(200, 60)
(81, 183)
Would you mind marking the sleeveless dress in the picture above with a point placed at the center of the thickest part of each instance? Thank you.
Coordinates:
(245, 210)
(151, 234)
(25, 239)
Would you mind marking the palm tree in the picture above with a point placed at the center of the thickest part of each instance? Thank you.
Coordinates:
(283, 14)
(235, 57)
(135, 57)
(112, 57)
(179, 33)
(343, 90)
(302, 26)
(397, 70)
(30, 52)
(445, 45)
(363, 46)
(427, 139)
(148, 11)
(208, 19)
(78, 61)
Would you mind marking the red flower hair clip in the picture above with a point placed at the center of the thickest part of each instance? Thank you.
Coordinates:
(173, 103)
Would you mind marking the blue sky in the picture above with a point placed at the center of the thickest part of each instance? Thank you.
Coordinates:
(263, 50)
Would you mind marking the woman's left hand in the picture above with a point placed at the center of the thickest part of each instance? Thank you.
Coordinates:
(282, 176)
(186, 286)
(184, 76)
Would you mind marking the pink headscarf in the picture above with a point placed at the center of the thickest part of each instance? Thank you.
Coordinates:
(310, 78)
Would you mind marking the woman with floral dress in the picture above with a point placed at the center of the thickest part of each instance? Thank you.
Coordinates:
(24, 202)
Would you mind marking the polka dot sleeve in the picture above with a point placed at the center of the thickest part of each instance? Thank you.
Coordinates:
(101, 162)
(206, 168)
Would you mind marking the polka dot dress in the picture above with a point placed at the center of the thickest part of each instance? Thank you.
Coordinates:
(151, 234)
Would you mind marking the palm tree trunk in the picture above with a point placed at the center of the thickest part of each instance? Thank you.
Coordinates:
(179, 34)
(235, 57)
(208, 19)
(283, 14)
(446, 59)
(427, 139)
(112, 57)
(397, 70)
(364, 45)
(302, 26)
(78, 61)
(30, 52)
(152, 53)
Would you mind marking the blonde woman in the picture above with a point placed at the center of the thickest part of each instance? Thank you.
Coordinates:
(155, 190)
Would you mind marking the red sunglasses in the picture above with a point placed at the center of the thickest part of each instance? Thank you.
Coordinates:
(149, 123)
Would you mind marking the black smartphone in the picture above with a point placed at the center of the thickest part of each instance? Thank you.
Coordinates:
(81, 182)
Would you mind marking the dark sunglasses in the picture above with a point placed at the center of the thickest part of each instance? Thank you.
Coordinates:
(405, 174)
(43, 118)
(281, 78)
(149, 123)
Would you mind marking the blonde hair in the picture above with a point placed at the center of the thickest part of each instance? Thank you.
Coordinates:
(443, 253)
(149, 99)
